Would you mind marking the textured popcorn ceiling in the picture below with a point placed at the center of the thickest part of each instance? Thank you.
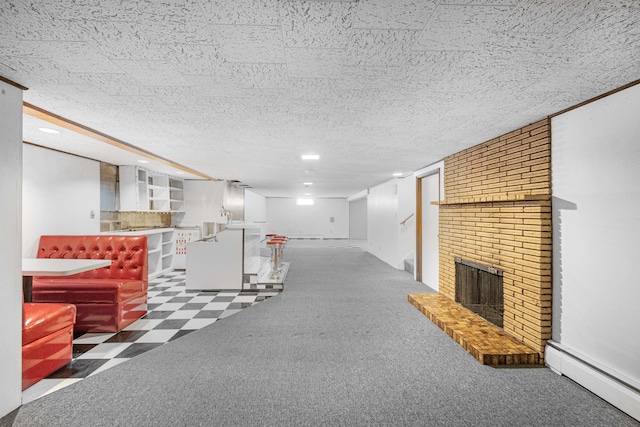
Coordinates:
(239, 89)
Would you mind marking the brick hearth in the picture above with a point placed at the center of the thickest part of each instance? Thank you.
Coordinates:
(489, 344)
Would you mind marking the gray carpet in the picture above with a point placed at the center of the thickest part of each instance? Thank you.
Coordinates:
(340, 346)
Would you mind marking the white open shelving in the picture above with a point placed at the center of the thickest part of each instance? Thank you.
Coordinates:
(176, 194)
(142, 190)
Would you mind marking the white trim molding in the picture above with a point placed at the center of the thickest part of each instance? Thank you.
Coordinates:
(613, 387)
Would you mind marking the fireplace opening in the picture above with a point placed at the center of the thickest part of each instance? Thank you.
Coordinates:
(479, 288)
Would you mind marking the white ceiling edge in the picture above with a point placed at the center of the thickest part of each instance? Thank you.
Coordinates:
(74, 143)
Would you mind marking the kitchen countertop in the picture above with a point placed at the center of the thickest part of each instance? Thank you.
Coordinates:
(150, 230)
(244, 225)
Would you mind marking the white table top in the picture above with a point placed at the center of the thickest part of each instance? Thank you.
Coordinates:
(60, 266)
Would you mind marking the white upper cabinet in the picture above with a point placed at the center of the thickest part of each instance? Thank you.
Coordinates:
(142, 190)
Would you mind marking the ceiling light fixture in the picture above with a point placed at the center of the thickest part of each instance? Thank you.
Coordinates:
(49, 130)
(307, 184)
(397, 174)
(310, 156)
(143, 161)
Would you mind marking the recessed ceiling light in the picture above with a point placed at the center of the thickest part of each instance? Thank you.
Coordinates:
(48, 130)
(310, 156)
(143, 161)
(307, 183)
(397, 174)
(179, 173)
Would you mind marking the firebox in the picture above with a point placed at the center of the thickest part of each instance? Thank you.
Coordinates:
(479, 288)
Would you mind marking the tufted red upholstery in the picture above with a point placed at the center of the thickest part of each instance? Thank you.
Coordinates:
(129, 254)
(107, 299)
(47, 336)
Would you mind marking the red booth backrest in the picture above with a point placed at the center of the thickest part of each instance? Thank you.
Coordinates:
(128, 254)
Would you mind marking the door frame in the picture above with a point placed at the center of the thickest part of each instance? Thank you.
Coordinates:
(418, 259)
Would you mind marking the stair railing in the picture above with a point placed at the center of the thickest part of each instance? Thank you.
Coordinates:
(406, 219)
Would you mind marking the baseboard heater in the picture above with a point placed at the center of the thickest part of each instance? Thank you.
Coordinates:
(617, 389)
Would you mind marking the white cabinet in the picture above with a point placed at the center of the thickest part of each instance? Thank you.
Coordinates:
(134, 195)
(215, 264)
(142, 190)
(167, 251)
(158, 188)
(231, 260)
(176, 194)
(160, 246)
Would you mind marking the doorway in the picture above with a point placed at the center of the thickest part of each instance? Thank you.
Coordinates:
(427, 253)
(358, 219)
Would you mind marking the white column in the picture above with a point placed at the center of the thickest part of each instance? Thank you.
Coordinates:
(10, 247)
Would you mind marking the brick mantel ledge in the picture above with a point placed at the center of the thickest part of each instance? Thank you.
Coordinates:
(494, 198)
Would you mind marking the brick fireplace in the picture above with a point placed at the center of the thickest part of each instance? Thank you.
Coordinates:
(497, 212)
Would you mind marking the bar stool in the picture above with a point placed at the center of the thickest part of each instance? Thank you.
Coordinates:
(283, 240)
(276, 250)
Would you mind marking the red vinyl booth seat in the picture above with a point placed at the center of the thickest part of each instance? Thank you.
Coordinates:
(107, 299)
(47, 336)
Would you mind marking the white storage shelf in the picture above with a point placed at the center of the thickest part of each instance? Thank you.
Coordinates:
(159, 249)
(142, 190)
(176, 194)
(167, 251)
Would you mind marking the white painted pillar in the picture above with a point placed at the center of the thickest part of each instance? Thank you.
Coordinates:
(10, 248)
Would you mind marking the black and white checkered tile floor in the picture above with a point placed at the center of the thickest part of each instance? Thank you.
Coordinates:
(173, 312)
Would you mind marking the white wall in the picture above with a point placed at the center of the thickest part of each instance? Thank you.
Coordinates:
(387, 205)
(383, 223)
(358, 219)
(285, 217)
(60, 193)
(202, 202)
(255, 207)
(596, 235)
(10, 248)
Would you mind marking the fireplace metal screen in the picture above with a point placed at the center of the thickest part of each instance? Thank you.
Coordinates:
(479, 288)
